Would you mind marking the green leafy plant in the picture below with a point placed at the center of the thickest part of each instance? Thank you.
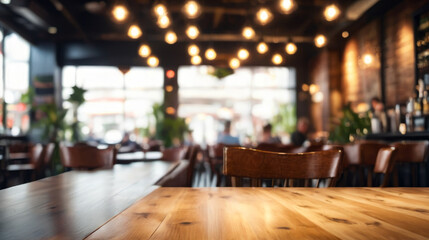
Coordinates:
(169, 129)
(222, 72)
(77, 99)
(351, 126)
(285, 120)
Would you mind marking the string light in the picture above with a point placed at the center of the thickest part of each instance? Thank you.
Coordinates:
(160, 10)
(169, 88)
(153, 61)
(262, 48)
(367, 59)
(120, 13)
(196, 60)
(170, 110)
(320, 40)
(287, 6)
(264, 16)
(234, 63)
(192, 9)
(193, 50)
(291, 48)
(192, 32)
(170, 37)
(134, 31)
(144, 50)
(331, 12)
(277, 59)
(248, 32)
(210, 54)
(345, 34)
(163, 21)
(243, 54)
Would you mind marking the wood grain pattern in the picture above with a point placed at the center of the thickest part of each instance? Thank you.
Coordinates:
(74, 204)
(274, 213)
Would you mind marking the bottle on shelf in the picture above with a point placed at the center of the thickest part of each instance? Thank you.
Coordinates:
(409, 115)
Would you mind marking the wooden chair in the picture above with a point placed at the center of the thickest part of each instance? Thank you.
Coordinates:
(277, 147)
(173, 154)
(192, 157)
(412, 153)
(384, 165)
(215, 156)
(34, 166)
(242, 162)
(87, 157)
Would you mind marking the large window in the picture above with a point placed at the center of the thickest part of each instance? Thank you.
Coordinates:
(115, 102)
(251, 97)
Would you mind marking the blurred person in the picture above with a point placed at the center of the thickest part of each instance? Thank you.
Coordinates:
(226, 138)
(127, 145)
(377, 110)
(300, 135)
(267, 137)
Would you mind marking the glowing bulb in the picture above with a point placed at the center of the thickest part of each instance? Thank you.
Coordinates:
(163, 21)
(193, 50)
(234, 63)
(160, 10)
(331, 12)
(313, 88)
(169, 88)
(243, 54)
(291, 48)
(170, 37)
(144, 50)
(248, 33)
(196, 60)
(153, 61)
(345, 34)
(192, 32)
(192, 9)
(170, 110)
(287, 6)
(277, 59)
(320, 41)
(367, 59)
(264, 16)
(134, 32)
(262, 48)
(210, 54)
(120, 13)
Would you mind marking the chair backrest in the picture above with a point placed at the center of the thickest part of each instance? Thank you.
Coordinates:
(411, 151)
(277, 147)
(257, 165)
(193, 154)
(385, 163)
(48, 150)
(362, 152)
(173, 154)
(35, 155)
(87, 157)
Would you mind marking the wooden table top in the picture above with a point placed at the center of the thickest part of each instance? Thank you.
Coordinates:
(274, 213)
(74, 204)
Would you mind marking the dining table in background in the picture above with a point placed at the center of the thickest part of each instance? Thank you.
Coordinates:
(125, 158)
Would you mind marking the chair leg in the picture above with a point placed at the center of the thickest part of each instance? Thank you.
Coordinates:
(369, 177)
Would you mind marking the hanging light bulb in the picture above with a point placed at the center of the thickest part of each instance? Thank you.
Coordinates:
(262, 48)
(193, 50)
(277, 59)
(331, 12)
(160, 9)
(170, 37)
(134, 31)
(192, 9)
(287, 6)
(320, 41)
(248, 32)
(120, 12)
(153, 61)
(291, 48)
(210, 54)
(163, 21)
(234, 63)
(196, 60)
(144, 50)
(192, 32)
(243, 54)
(264, 16)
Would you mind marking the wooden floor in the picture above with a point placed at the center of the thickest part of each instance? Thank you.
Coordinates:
(274, 213)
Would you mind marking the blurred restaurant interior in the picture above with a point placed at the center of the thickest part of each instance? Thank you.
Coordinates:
(119, 100)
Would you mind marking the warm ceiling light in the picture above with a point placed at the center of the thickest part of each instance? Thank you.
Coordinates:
(170, 110)
(120, 13)
(243, 54)
(264, 16)
(210, 54)
(320, 41)
(345, 34)
(170, 37)
(169, 88)
(291, 48)
(196, 60)
(192, 32)
(313, 88)
(160, 10)
(248, 32)
(192, 9)
(234, 63)
(193, 50)
(153, 61)
(262, 48)
(367, 59)
(163, 21)
(287, 6)
(144, 50)
(331, 12)
(134, 31)
(277, 59)
(170, 74)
